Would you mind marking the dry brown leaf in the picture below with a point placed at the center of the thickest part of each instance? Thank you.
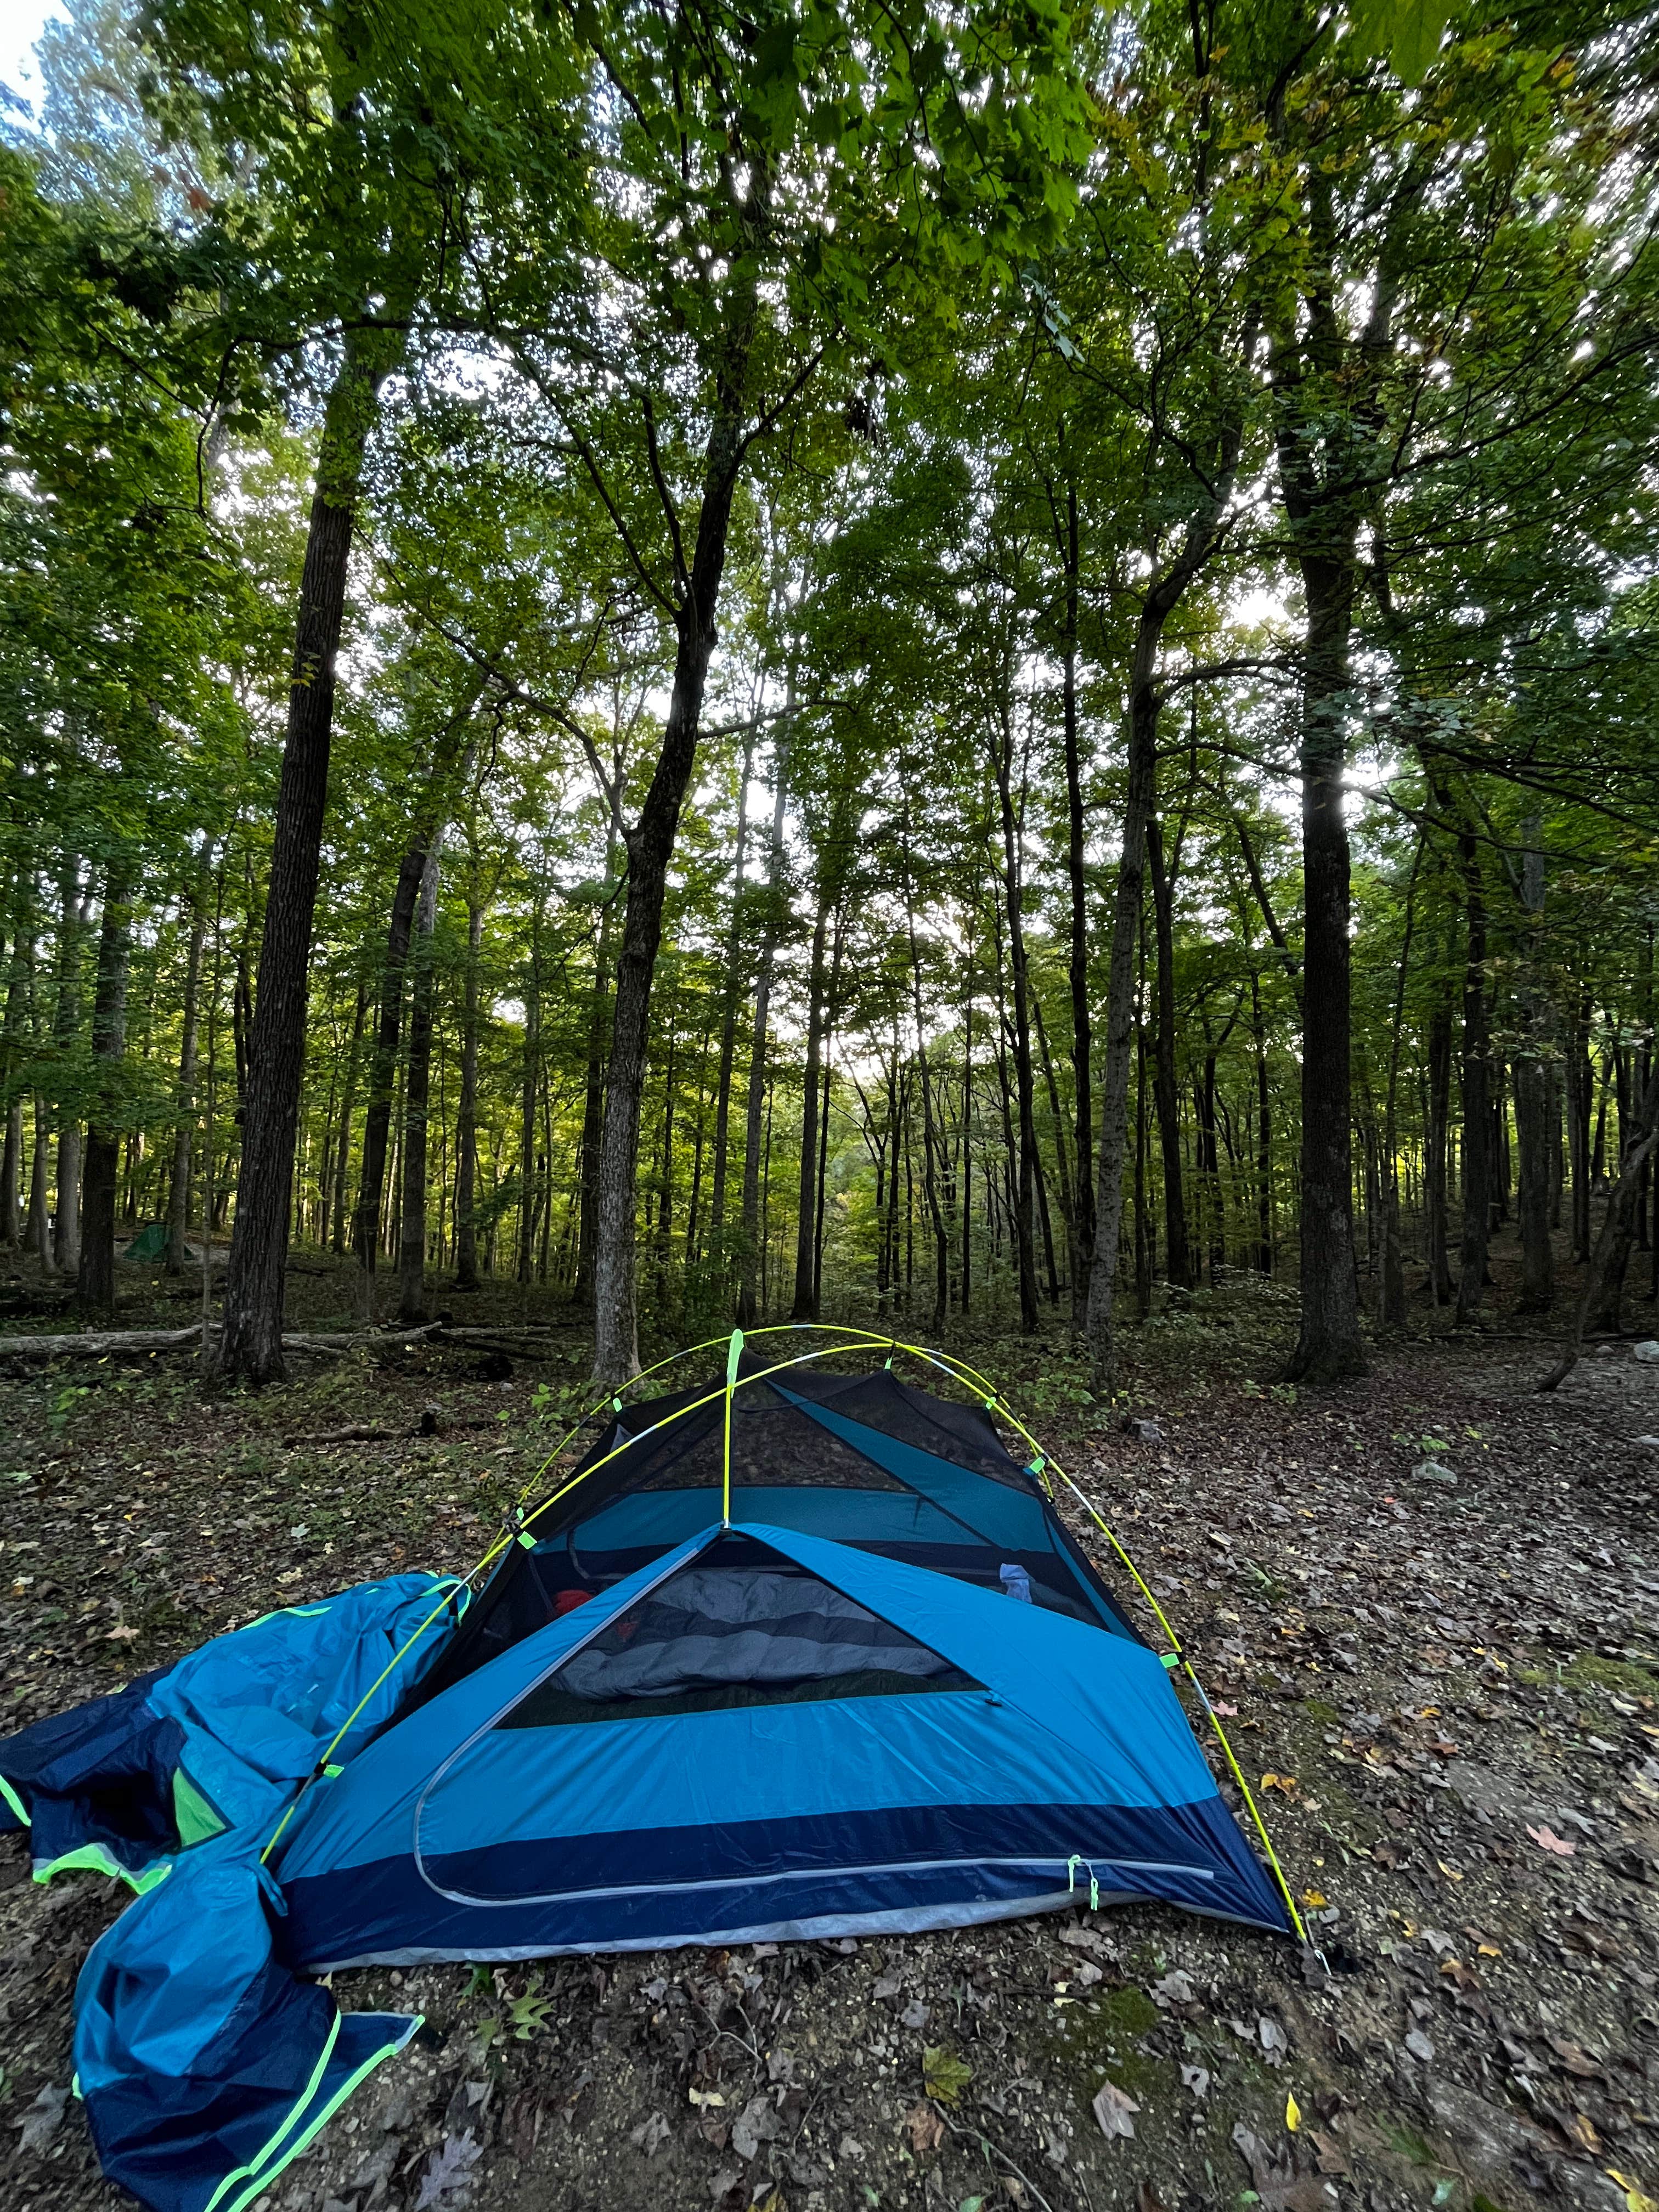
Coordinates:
(1114, 2109)
(924, 2127)
(1547, 1840)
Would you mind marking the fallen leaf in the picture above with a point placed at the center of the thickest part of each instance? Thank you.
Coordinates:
(1286, 1784)
(1174, 1988)
(756, 2124)
(450, 2174)
(924, 2127)
(122, 1634)
(1328, 2154)
(42, 2120)
(1280, 2182)
(1148, 2200)
(1547, 1840)
(1312, 1898)
(1636, 2200)
(1275, 2044)
(1292, 2114)
(650, 2134)
(1197, 2079)
(705, 2097)
(1114, 2109)
(944, 2075)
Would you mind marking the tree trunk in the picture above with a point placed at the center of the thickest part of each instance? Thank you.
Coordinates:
(451, 748)
(184, 1129)
(598, 1048)
(1437, 1251)
(66, 1022)
(1264, 1133)
(1177, 1255)
(1063, 1148)
(1534, 1120)
(1476, 1078)
(1391, 1292)
(418, 1090)
(651, 845)
(749, 1257)
(529, 1082)
(1121, 997)
(805, 1306)
(348, 1099)
(1616, 1225)
(733, 1000)
(12, 1154)
(94, 1287)
(1580, 1085)
(1328, 1346)
(251, 1344)
(466, 1123)
(1030, 1318)
(1083, 1235)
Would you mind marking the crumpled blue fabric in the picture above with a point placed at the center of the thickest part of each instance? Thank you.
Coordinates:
(205, 2064)
(243, 1720)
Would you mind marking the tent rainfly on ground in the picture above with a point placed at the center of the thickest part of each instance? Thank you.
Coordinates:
(792, 1654)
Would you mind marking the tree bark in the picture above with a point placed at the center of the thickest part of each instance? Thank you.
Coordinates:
(1078, 948)
(94, 1287)
(12, 1154)
(184, 1130)
(466, 1121)
(1617, 1227)
(418, 1090)
(1328, 1346)
(1177, 1254)
(250, 1344)
(1128, 899)
(1534, 1121)
(650, 842)
(1019, 978)
(717, 1251)
(451, 748)
(805, 1305)
(598, 1047)
(66, 1022)
(1476, 1074)
(750, 1252)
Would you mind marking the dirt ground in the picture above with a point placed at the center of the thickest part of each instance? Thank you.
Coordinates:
(1427, 1604)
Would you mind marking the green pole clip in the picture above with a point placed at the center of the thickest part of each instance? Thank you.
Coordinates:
(330, 1771)
(1073, 1863)
(1170, 1659)
(615, 1404)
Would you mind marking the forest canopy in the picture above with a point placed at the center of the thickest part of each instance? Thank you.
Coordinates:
(858, 662)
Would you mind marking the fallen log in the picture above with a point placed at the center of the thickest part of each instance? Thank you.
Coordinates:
(138, 1343)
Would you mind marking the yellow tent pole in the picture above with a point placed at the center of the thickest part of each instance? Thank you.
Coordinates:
(733, 1354)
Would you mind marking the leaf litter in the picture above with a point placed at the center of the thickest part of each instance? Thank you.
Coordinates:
(1451, 1673)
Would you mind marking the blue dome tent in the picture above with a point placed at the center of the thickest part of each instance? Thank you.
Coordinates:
(797, 1654)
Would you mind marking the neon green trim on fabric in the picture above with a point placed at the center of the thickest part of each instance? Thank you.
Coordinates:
(273, 2143)
(195, 1816)
(263, 2175)
(93, 1859)
(14, 1801)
